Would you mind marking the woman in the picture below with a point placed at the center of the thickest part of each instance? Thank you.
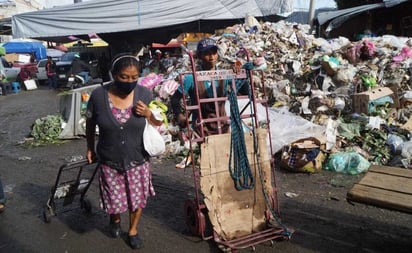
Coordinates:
(119, 110)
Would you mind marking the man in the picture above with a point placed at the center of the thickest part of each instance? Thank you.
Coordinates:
(80, 68)
(155, 64)
(2, 198)
(207, 53)
(166, 62)
(51, 73)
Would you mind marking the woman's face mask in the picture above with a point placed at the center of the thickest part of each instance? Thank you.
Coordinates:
(125, 87)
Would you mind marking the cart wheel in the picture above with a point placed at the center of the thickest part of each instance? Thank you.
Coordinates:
(195, 219)
(47, 215)
(87, 205)
(272, 244)
(223, 248)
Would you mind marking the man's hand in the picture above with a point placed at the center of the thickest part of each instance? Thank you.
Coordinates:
(181, 120)
(237, 67)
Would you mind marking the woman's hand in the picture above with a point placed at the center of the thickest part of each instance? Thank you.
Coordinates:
(142, 109)
(90, 155)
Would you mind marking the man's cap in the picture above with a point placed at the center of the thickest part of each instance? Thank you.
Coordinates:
(158, 51)
(205, 45)
(76, 56)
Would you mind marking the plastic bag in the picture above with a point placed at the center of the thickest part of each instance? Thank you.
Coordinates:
(152, 140)
(348, 163)
(159, 111)
(151, 80)
(406, 149)
(297, 127)
(168, 88)
(395, 143)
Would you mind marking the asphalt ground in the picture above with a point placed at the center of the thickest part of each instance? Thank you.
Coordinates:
(317, 210)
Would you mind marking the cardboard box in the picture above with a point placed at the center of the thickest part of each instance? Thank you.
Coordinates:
(361, 101)
(330, 70)
(407, 125)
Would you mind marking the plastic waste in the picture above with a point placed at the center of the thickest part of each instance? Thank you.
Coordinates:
(395, 142)
(406, 149)
(168, 88)
(151, 80)
(367, 81)
(347, 162)
(405, 53)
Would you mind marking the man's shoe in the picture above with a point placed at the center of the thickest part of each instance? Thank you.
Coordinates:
(135, 242)
(115, 229)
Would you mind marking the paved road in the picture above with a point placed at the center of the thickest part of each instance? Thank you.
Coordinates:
(323, 220)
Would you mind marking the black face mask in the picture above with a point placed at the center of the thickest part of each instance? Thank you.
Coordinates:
(125, 88)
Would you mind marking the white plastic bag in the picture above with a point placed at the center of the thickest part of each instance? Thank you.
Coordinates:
(152, 140)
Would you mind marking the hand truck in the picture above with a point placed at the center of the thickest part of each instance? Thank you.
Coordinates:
(195, 210)
(69, 184)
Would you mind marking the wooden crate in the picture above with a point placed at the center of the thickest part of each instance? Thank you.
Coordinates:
(386, 187)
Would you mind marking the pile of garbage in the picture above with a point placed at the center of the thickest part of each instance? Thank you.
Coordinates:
(346, 104)
(353, 97)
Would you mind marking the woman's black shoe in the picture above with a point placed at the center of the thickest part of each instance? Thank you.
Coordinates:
(135, 242)
(115, 229)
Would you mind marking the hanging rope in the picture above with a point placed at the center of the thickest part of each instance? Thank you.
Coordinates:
(240, 171)
(286, 231)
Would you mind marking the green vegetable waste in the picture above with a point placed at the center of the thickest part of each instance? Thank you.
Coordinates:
(46, 130)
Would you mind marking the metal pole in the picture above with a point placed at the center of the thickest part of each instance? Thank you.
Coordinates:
(311, 13)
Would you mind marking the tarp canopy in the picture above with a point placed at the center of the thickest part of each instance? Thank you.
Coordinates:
(337, 18)
(115, 16)
(168, 45)
(24, 47)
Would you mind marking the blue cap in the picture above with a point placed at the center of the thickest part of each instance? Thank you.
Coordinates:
(205, 45)
(76, 55)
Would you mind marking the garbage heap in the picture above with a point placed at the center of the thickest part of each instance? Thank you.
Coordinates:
(346, 104)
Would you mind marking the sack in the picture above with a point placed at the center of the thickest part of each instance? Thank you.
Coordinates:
(302, 155)
(153, 141)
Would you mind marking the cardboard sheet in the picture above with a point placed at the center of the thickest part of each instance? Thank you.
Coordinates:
(30, 84)
(234, 213)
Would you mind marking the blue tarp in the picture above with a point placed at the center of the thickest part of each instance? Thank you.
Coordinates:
(26, 48)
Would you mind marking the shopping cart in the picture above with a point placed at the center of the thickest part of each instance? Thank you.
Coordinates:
(70, 185)
(219, 207)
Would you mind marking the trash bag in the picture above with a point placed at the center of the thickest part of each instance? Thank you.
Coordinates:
(347, 162)
(406, 149)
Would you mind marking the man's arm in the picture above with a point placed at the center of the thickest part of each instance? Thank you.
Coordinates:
(242, 86)
(175, 103)
(85, 66)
